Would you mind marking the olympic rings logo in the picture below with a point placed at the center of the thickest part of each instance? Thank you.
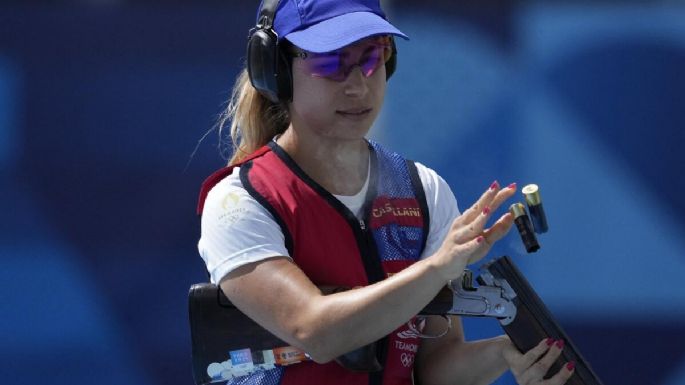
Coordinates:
(407, 359)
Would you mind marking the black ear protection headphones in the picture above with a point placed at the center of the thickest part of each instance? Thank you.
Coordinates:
(268, 65)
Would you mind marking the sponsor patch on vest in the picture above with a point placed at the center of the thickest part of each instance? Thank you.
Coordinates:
(404, 212)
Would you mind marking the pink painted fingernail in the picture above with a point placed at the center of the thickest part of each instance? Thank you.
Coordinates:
(570, 366)
(560, 344)
(512, 186)
(549, 341)
(480, 239)
(494, 185)
(486, 210)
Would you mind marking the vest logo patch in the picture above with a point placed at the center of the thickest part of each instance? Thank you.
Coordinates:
(407, 347)
(412, 330)
(404, 334)
(407, 359)
(404, 212)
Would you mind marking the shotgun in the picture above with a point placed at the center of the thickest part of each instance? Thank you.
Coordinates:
(227, 344)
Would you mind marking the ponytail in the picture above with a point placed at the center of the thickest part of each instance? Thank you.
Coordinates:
(255, 120)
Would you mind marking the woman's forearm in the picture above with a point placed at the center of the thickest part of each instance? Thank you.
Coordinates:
(278, 295)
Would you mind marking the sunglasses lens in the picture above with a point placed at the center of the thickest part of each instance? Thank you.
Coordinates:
(338, 64)
(326, 65)
(373, 60)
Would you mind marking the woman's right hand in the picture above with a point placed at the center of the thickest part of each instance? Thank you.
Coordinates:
(468, 240)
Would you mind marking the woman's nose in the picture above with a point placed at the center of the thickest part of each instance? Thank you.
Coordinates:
(356, 83)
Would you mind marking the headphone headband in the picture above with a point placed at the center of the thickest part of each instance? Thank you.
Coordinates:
(267, 14)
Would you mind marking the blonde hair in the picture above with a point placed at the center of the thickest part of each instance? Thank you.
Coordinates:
(255, 120)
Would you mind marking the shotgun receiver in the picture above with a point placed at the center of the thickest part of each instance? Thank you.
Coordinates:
(227, 344)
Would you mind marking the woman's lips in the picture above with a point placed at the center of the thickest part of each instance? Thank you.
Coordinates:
(354, 112)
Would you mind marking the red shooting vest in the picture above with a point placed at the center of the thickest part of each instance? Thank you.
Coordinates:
(334, 248)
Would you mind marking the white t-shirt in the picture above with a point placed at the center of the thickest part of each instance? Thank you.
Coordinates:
(237, 230)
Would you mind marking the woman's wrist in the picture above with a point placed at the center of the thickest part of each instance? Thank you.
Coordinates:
(445, 268)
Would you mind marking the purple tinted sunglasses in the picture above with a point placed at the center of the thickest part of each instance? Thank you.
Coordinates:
(369, 55)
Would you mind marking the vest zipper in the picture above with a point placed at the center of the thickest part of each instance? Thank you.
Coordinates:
(369, 246)
(368, 250)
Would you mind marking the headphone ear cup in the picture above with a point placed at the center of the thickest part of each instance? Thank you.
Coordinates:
(263, 60)
(284, 76)
(391, 64)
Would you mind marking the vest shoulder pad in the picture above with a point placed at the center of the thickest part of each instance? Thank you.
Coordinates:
(222, 173)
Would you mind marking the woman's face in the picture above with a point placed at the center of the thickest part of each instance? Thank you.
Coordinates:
(343, 108)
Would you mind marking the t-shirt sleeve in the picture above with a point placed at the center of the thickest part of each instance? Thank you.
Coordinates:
(236, 229)
(442, 207)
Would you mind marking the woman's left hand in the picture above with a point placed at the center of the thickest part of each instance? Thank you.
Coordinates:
(530, 368)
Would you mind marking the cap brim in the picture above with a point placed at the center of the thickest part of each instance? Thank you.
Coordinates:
(342, 30)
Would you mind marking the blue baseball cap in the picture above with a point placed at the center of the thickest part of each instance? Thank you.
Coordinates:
(327, 25)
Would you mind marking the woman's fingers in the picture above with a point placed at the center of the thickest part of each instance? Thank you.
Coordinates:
(464, 232)
(477, 208)
(479, 252)
(531, 367)
(503, 195)
(539, 369)
(489, 201)
(467, 231)
(563, 375)
(499, 229)
(519, 362)
(475, 246)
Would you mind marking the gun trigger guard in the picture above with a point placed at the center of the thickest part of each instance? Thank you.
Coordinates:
(415, 330)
